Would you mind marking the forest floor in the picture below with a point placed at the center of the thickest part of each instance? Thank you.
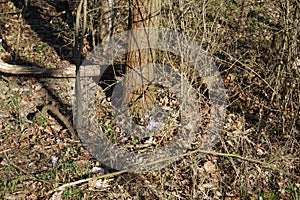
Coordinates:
(257, 156)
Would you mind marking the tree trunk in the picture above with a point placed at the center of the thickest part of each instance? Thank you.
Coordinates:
(143, 13)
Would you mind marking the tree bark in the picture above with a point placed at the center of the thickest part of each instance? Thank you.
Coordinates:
(143, 13)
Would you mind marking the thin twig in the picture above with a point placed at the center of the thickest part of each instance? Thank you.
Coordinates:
(4, 151)
(254, 72)
(64, 186)
(77, 52)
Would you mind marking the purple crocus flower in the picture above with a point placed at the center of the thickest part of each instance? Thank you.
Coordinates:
(22, 114)
(152, 124)
(54, 160)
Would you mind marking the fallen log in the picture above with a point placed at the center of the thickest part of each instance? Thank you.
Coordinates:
(68, 72)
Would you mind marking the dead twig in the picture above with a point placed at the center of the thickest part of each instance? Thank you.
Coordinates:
(4, 151)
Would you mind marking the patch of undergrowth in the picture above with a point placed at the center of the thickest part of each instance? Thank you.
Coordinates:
(255, 46)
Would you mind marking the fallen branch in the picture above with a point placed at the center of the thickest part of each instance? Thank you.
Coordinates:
(68, 72)
(61, 118)
(37, 71)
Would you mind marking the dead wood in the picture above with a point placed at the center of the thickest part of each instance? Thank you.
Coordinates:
(68, 72)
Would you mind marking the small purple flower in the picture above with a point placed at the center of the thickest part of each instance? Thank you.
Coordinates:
(173, 114)
(152, 124)
(265, 32)
(54, 160)
(168, 108)
(200, 10)
(147, 117)
(22, 114)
